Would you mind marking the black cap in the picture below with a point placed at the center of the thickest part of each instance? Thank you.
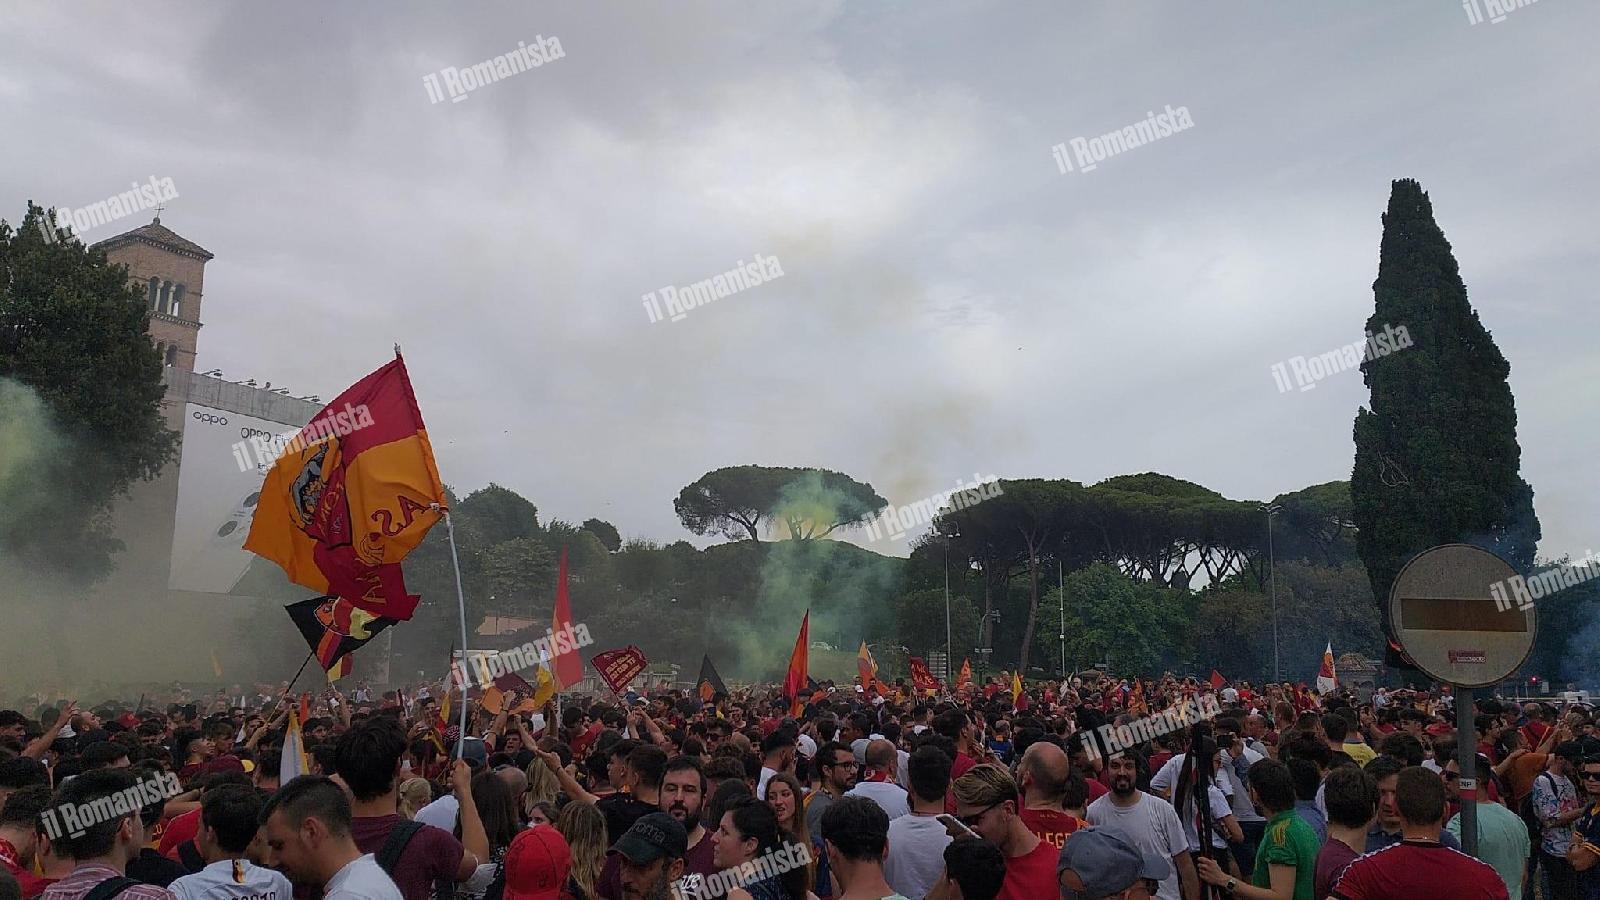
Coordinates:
(652, 837)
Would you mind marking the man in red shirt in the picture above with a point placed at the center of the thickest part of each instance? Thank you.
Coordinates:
(986, 802)
(19, 836)
(1047, 780)
(955, 725)
(1419, 866)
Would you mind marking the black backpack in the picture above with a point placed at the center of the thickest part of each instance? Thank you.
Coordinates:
(389, 854)
(111, 887)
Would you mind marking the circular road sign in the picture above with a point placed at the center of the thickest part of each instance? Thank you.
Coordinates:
(1445, 616)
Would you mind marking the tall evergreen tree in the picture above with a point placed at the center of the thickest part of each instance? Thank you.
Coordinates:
(1437, 459)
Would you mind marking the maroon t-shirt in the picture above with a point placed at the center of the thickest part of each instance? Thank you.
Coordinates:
(432, 854)
(1332, 860)
(1418, 869)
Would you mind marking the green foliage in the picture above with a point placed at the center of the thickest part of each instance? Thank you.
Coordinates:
(1110, 617)
(72, 331)
(1437, 459)
(606, 532)
(503, 514)
(920, 623)
(807, 503)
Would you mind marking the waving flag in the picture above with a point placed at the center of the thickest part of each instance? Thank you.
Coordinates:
(1217, 681)
(293, 762)
(794, 683)
(1327, 678)
(567, 667)
(335, 628)
(1016, 690)
(921, 678)
(619, 667)
(352, 494)
(964, 680)
(709, 685)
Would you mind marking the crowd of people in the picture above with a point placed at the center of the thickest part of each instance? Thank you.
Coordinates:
(1086, 788)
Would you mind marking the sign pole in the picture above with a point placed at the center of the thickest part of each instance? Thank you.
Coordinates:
(1467, 762)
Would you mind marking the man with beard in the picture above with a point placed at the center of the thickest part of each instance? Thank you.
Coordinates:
(836, 769)
(305, 834)
(683, 794)
(652, 857)
(1150, 822)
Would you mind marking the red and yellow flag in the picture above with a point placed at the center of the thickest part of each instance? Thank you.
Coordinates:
(1016, 689)
(964, 680)
(794, 684)
(354, 492)
(568, 666)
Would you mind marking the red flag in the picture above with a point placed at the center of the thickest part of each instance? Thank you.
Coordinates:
(1217, 681)
(618, 667)
(921, 678)
(795, 682)
(568, 666)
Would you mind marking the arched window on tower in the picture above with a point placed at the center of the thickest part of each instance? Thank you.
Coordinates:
(177, 301)
(166, 297)
(155, 285)
(172, 355)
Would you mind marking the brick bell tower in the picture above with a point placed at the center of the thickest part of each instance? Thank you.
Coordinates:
(170, 269)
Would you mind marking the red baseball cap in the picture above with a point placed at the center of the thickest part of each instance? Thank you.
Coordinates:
(537, 864)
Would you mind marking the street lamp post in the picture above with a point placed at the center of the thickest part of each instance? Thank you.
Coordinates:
(1061, 604)
(1272, 579)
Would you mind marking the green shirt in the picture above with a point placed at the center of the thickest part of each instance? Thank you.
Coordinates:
(1288, 841)
(1502, 842)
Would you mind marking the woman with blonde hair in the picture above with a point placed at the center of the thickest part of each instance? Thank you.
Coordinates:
(584, 827)
(415, 793)
(542, 787)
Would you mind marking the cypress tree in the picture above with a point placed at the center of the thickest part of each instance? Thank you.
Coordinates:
(1437, 459)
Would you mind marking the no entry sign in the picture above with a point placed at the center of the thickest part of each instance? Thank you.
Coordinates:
(1444, 615)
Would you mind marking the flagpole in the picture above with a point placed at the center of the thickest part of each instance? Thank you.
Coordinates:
(461, 605)
(301, 670)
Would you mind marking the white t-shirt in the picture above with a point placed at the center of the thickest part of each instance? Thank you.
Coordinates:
(761, 783)
(1219, 808)
(218, 881)
(916, 855)
(441, 813)
(361, 879)
(1152, 825)
(887, 794)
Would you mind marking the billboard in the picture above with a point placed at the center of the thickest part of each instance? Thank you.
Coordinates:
(217, 492)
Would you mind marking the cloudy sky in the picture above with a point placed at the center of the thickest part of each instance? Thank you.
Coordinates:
(951, 304)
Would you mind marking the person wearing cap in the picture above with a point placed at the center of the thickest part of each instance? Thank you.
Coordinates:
(1101, 861)
(987, 800)
(651, 851)
(537, 865)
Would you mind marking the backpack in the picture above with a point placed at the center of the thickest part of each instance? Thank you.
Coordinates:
(109, 888)
(389, 855)
(1526, 812)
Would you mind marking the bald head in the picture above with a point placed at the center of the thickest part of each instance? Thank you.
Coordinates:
(514, 778)
(881, 756)
(1044, 770)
